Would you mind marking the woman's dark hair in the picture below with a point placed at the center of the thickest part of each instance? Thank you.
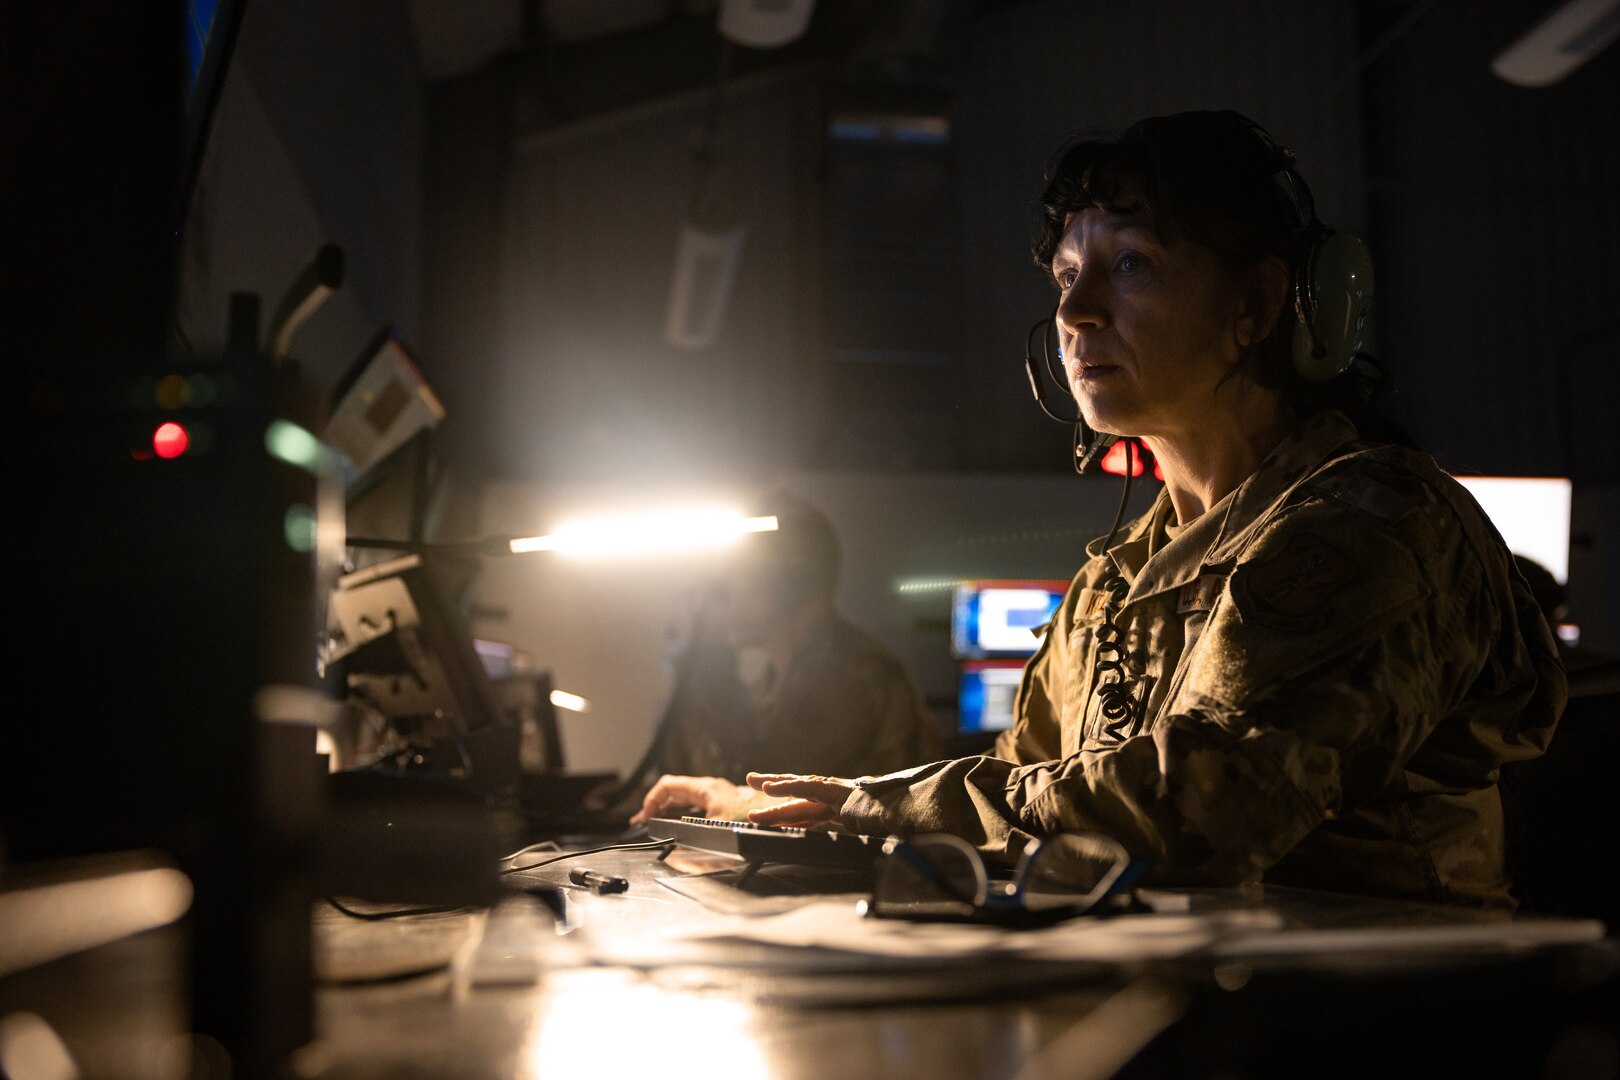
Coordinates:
(1217, 180)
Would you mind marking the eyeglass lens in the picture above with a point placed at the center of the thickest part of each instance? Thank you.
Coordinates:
(930, 876)
(1069, 869)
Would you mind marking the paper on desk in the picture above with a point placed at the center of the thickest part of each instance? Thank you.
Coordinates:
(1519, 933)
(839, 926)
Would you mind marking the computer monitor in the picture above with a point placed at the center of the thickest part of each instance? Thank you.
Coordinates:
(1531, 513)
(210, 39)
(988, 694)
(381, 403)
(405, 654)
(999, 618)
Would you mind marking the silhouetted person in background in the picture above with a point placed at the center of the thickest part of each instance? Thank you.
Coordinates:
(1553, 600)
(775, 677)
(1308, 662)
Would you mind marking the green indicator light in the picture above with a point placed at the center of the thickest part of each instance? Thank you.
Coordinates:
(300, 528)
(202, 390)
(295, 446)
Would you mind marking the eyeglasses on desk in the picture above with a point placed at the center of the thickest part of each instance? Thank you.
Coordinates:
(941, 877)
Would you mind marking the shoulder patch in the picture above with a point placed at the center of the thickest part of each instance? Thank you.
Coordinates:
(1296, 582)
(1374, 495)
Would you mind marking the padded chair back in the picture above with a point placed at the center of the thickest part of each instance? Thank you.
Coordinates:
(1562, 812)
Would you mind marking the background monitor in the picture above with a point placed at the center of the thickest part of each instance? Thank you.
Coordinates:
(989, 691)
(1531, 513)
(210, 39)
(382, 403)
(1000, 617)
(405, 654)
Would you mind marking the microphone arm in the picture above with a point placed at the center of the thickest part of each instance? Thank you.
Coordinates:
(1089, 444)
(307, 294)
(489, 545)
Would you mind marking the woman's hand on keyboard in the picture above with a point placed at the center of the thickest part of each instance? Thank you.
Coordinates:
(812, 799)
(708, 796)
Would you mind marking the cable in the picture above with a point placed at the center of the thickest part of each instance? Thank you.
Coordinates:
(1125, 498)
(379, 916)
(544, 845)
(1036, 385)
(639, 846)
(1111, 678)
(1089, 445)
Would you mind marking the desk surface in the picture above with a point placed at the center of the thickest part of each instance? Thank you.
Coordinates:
(616, 998)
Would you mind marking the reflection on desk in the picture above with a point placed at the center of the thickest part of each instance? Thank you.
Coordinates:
(1263, 983)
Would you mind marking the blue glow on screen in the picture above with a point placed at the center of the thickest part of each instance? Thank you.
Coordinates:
(997, 618)
(970, 702)
(987, 696)
(199, 24)
(965, 623)
(1030, 618)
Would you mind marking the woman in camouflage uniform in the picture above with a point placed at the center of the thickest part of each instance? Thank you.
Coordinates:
(1307, 662)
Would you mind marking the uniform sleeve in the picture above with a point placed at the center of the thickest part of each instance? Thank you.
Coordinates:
(1332, 653)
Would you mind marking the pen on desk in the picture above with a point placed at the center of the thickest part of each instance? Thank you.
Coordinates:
(598, 883)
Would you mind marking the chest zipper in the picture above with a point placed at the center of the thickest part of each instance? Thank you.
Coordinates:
(1110, 678)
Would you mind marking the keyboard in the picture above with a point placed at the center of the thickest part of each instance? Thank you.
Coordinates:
(770, 843)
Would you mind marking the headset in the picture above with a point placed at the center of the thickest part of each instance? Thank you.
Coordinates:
(1089, 444)
(1333, 272)
(1332, 291)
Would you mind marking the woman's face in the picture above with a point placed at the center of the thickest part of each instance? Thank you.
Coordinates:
(1147, 330)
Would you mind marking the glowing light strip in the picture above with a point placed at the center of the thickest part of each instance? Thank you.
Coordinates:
(644, 534)
(572, 702)
(915, 586)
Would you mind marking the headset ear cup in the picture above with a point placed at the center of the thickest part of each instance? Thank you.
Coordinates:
(1332, 297)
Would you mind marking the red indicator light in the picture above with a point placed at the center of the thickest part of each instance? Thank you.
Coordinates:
(170, 440)
(1114, 461)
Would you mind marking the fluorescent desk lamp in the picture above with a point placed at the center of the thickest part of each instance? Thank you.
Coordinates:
(645, 534)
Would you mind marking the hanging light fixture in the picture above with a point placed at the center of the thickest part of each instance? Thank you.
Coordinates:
(765, 24)
(1574, 33)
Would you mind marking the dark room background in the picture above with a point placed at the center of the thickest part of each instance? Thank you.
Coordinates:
(509, 178)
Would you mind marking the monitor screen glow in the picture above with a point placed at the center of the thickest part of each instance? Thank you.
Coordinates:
(988, 695)
(1531, 513)
(1000, 618)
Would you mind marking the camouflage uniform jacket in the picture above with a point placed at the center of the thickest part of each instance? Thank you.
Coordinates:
(844, 705)
(1320, 678)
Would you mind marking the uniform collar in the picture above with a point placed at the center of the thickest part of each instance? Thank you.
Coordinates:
(1222, 531)
(1132, 553)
